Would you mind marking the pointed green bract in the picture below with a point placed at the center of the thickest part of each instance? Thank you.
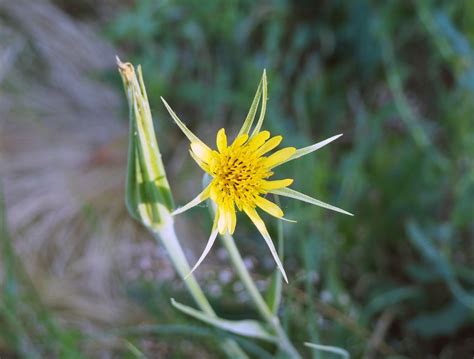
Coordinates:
(247, 328)
(143, 91)
(306, 150)
(263, 109)
(253, 108)
(288, 192)
(258, 222)
(283, 219)
(194, 202)
(131, 185)
(210, 243)
(187, 132)
(273, 295)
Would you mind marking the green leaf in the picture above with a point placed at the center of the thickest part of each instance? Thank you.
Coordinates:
(439, 262)
(187, 331)
(330, 349)
(273, 296)
(390, 298)
(134, 350)
(288, 192)
(443, 322)
(247, 328)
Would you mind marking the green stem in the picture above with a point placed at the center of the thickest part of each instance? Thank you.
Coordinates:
(257, 298)
(167, 235)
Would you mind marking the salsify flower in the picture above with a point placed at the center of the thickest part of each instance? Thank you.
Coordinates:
(241, 172)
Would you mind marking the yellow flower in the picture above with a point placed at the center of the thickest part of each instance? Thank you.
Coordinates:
(240, 174)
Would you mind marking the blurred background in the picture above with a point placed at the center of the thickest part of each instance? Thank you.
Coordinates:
(80, 278)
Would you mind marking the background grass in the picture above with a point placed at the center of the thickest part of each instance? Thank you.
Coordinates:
(397, 78)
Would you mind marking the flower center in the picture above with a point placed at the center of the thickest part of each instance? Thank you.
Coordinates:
(237, 176)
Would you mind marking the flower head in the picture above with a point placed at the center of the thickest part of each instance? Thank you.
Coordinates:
(241, 172)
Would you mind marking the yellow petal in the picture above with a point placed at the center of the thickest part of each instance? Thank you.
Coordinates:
(271, 185)
(268, 206)
(279, 157)
(269, 145)
(259, 140)
(214, 191)
(233, 222)
(257, 221)
(231, 219)
(221, 140)
(221, 222)
(240, 140)
(202, 152)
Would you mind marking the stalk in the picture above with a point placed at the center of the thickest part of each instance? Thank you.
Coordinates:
(166, 234)
(257, 298)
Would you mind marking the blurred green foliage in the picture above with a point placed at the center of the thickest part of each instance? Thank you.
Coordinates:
(397, 78)
(26, 327)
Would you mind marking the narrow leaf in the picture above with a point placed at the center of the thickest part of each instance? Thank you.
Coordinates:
(442, 322)
(390, 298)
(191, 331)
(247, 328)
(329, 349)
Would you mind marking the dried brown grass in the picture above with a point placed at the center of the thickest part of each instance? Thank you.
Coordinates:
(62, 159)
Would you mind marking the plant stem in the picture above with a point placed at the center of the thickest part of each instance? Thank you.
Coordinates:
(257, 298)
(167, 235)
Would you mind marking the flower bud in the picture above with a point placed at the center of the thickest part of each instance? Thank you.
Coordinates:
(147, 195)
